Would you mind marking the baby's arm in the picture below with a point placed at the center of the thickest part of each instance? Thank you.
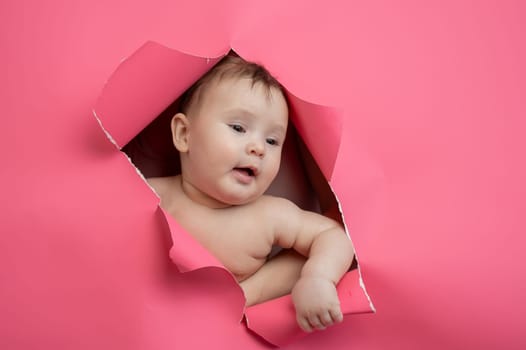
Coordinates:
(275, 278)
(329, 253)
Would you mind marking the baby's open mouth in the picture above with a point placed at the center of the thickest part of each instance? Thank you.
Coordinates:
(248, 171)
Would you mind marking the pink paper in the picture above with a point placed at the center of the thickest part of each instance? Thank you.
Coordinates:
(143, 85)
(429, 171)
(275, 320)
(320, 128)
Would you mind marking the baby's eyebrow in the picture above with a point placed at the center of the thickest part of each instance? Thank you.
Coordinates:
(241, 111)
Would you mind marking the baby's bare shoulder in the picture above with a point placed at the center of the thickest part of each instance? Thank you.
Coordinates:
(288, 211)
(282, 212)
(277, 205)
(292, 225)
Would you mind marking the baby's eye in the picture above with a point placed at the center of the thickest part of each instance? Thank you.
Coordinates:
(237, 128)
(272, 142)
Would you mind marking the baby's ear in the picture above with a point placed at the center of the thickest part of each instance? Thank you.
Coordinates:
(179, 127)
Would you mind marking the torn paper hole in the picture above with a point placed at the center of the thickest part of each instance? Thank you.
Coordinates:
(135, 109)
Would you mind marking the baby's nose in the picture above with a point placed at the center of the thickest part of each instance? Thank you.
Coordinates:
(256, 148)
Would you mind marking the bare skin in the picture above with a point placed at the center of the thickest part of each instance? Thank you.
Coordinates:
(242, 246)
(230, 148)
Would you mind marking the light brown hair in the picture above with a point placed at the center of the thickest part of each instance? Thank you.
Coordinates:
(230, 66)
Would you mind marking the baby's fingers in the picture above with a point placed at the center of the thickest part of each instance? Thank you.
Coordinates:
(326, 319)
(316, 323)
(336, 314)
(304, 324)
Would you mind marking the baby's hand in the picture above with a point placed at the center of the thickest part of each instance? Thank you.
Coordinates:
(317, 304)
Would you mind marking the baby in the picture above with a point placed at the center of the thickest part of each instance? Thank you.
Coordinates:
(229, 134)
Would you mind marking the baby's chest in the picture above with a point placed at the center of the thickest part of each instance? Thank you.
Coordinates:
(241, 245)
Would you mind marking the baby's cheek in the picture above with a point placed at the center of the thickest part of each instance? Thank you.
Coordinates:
(276, 163)
(274, 173)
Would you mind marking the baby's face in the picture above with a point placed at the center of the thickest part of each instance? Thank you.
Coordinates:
(235, 137)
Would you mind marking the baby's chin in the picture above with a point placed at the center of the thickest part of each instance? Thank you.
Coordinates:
(238, 200)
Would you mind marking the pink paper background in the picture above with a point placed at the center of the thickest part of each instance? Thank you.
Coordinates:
(434, 99)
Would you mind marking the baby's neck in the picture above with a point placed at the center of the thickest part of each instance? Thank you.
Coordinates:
(198, 197)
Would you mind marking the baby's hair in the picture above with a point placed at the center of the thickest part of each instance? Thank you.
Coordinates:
(230, 66)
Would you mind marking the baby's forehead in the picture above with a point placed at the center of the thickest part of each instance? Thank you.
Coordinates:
(245, 99)
(223, 90)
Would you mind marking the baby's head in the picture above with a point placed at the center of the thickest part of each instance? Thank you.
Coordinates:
(230, 133)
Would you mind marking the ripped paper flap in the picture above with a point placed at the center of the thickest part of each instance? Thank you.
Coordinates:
(275, 320)
(187, 253)
(320, 128)
(145, 84)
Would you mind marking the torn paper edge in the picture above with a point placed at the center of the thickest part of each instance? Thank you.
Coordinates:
(112, 140)
(347, 232)
(106, 132)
